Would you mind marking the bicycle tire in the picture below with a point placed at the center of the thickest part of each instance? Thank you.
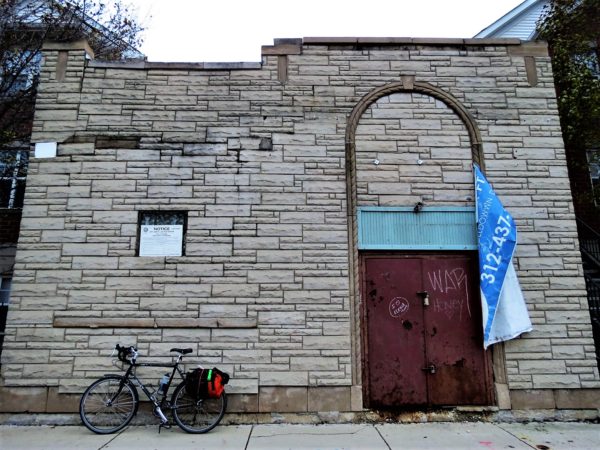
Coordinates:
(197, 416)
(101, 417)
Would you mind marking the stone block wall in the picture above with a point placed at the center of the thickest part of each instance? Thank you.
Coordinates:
(413, 148)
(257, 157)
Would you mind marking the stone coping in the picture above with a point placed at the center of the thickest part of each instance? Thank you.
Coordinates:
(136, 64)
(408, 40)
(150, 322)
(291, 46)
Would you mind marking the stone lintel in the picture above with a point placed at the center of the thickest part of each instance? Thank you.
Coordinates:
(223, 322)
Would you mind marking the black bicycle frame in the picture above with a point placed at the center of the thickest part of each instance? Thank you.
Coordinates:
(130, 374)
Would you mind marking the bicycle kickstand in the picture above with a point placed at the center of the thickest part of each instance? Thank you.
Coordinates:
(166, 425)
(164, 422)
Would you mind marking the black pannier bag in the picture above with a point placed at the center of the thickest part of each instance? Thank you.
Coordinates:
(205, 383)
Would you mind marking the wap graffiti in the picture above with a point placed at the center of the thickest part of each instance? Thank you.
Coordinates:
(452, 292)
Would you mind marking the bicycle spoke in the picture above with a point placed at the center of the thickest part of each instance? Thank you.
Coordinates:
(106, 406)
(197, 416)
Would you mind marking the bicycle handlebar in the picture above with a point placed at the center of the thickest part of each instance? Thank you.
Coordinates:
(123, 353)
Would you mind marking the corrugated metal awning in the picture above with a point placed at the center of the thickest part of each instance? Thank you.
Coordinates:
(432, 228)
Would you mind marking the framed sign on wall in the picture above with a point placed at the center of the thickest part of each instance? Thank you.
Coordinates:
(162, 233)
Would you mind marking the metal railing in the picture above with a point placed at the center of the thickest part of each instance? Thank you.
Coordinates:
(589, 244)
(593, 295)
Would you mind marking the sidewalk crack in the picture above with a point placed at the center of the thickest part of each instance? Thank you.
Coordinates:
(111, 440)
(516, 437)
(249, 436)
(381, 435)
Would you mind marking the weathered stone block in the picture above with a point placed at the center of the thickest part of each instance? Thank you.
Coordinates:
(329, 399)
(577, 398)
(274, 378)
(214, 310)
(281, 318)
(338, 342)
(62, 403)
(321, 363)
(23, 399)
(271, 276)
(235, 290)
(532, 399)
(82, 249)
(129, 283)
(246, 356)
(556, 381)
(282, 399)
(187, 290)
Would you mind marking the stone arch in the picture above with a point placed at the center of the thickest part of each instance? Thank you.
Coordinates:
(407, 85)
(421, 88)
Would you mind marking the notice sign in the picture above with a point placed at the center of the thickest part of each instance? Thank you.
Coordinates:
(161, 240)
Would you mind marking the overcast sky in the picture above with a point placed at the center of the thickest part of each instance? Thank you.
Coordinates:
(234, 30)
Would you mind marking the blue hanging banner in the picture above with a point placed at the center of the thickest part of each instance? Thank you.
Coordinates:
(504, 310)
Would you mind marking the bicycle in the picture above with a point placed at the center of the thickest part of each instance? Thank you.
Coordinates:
(110, 403)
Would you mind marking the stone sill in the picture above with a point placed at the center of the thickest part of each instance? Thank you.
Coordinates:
(220, 322)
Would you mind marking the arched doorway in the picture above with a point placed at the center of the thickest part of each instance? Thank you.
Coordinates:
(409, 151)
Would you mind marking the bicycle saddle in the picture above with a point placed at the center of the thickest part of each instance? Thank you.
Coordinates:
(183, 351)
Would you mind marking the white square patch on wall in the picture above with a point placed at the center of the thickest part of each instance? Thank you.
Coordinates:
(45, 150)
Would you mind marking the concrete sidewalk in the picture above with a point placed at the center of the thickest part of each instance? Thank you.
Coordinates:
(460, 436)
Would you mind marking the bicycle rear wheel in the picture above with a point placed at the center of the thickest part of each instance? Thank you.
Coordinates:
(106, 407)
(197, 416)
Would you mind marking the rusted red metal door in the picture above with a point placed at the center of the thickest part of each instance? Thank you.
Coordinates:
(423, 332)
(395, 339)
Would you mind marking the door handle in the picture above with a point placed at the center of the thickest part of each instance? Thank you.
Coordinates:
(430, 368)
(424, 296)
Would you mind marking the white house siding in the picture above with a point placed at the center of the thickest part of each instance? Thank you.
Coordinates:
(520, 23)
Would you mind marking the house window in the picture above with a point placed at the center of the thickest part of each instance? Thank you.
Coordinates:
(594, 166)
(162, 233)
(5, 283)
(13, 171)
(20, 70)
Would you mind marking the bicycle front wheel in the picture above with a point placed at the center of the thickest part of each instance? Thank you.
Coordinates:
(197, 416)
(108, 404)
